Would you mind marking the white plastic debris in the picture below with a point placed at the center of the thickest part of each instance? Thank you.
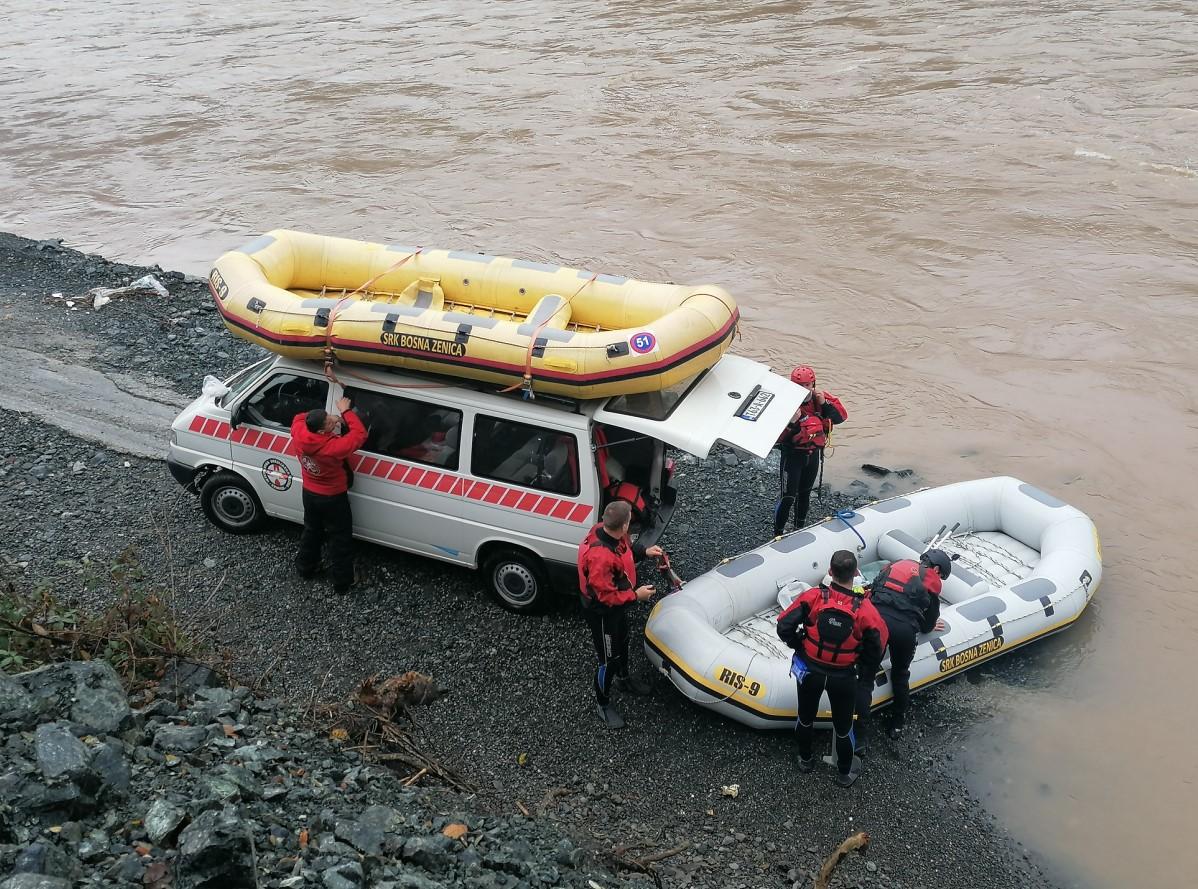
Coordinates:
(732, 790)
(56, 294)
(78, 466)
(214, 387)
(102, 296)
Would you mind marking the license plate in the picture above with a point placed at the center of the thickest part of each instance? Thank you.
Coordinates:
(757, 406)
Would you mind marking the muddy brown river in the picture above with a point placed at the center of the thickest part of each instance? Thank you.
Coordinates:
(978, 220)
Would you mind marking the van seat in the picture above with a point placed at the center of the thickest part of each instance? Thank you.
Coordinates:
(523, 467)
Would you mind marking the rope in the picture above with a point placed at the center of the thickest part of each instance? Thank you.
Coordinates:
(329, 373)
(526, 382)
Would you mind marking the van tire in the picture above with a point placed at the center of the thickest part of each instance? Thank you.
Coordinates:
(516, 580)
(231, 504)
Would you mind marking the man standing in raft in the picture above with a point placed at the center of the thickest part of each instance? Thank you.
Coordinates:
(322, 457)
(607, 584)
(802, 443)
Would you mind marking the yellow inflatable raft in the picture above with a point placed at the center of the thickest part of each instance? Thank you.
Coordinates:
(550, 328)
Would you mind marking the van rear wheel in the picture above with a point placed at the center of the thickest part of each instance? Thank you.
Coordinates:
(231, 504)
(516, 580)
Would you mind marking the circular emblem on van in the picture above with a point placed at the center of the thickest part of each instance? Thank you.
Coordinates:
(643, 342)
(276, 474)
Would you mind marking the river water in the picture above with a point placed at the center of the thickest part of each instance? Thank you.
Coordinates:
(978, 220)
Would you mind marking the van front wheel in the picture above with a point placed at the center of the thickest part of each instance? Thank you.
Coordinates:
(517, 581)
(231, 504)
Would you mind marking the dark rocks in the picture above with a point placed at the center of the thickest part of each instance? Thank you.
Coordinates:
(368, 833)
(347, 875)
(88, 694)
(17, 707)
(35, 881)
(48, 860)
(162, 821)
(109, 765)
(185, 678)
(431, 853)
(59, 752)
(214, 853)
(180, 738)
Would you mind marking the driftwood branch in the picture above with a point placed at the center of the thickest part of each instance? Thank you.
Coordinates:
(857, 841)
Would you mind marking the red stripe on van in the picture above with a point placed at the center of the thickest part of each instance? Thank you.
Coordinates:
(580, 513)
(563, 509)
(545, 506)
(510, 498)
(430, 478)
(495, 494)
(291, 450)
(366, 465)
(414, 476)
(223, 430)
(208, 427)
(397, 474)
(382, 468)
(279, 445)
(197, 423)
(476, 490)
(238, 435)
(251, 438)
(447, 482)
(527, 501)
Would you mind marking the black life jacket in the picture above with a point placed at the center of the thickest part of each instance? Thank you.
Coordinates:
(899, 591)
(830, 624)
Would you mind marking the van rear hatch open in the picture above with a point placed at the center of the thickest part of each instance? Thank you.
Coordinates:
(739, 402)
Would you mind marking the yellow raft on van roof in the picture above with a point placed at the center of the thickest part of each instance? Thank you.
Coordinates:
(548, 328)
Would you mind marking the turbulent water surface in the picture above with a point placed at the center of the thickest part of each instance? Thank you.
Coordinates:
(978, 220)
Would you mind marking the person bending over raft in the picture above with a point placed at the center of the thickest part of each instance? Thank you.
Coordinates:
(802, 443)
(907, 595)
(831, 628)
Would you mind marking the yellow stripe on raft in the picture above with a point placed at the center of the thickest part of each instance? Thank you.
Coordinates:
(470, 315)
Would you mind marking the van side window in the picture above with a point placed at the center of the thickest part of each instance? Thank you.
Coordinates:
(526, 455)
(408, 429)
(283, 396)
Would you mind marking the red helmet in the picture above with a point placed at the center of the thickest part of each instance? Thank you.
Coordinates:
(804, 375)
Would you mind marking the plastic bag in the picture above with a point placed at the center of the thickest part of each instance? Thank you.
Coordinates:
(214, 387)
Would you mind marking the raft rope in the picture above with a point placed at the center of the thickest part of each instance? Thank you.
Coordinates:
(525, 384)
(329, 354)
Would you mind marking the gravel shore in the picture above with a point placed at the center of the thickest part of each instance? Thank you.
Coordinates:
(518, 718)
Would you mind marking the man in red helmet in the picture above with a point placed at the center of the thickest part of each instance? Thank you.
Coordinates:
(802, 443)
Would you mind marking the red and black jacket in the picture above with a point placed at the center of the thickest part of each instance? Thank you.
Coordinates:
(322, 457)
(798, 628)
(902, 591)
(808, 431)
(607, 570)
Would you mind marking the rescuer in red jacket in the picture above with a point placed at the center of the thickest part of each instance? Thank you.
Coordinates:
(907, 595)
(802, 443)
(322, 457)
(607, 585)
(833, 629)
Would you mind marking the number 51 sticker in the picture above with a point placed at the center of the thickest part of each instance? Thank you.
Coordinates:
(643, 342)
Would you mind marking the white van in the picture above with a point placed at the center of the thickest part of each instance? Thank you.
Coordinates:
(456, 471)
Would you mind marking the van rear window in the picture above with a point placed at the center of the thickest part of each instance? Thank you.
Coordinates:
(653, 405)
(531, 456)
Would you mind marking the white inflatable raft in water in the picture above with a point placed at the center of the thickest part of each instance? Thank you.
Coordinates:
(1027, 565)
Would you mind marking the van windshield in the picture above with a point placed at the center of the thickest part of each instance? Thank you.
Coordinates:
(243, 379)
(653, 405)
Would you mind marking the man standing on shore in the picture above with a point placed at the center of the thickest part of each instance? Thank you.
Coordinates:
(322, 455)
(832, 629)
(607, 585)
(802, 443)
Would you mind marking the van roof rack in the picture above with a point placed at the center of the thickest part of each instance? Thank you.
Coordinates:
(574, 405)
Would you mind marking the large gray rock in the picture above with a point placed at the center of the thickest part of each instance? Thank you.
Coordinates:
(47, 860)
(18, 708)
(369, 831)
(35, 881)
(161, 822)
(183, 738)
(109, 765)
(214, 853)
(183, 678)
(59, 752)
(88, 694)
(344, 876)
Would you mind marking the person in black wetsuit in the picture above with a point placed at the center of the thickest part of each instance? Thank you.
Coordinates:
(802, 443)
(907, 595)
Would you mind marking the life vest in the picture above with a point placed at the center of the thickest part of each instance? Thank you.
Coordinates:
(830, 639)
(614, 488)
(903, 589)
